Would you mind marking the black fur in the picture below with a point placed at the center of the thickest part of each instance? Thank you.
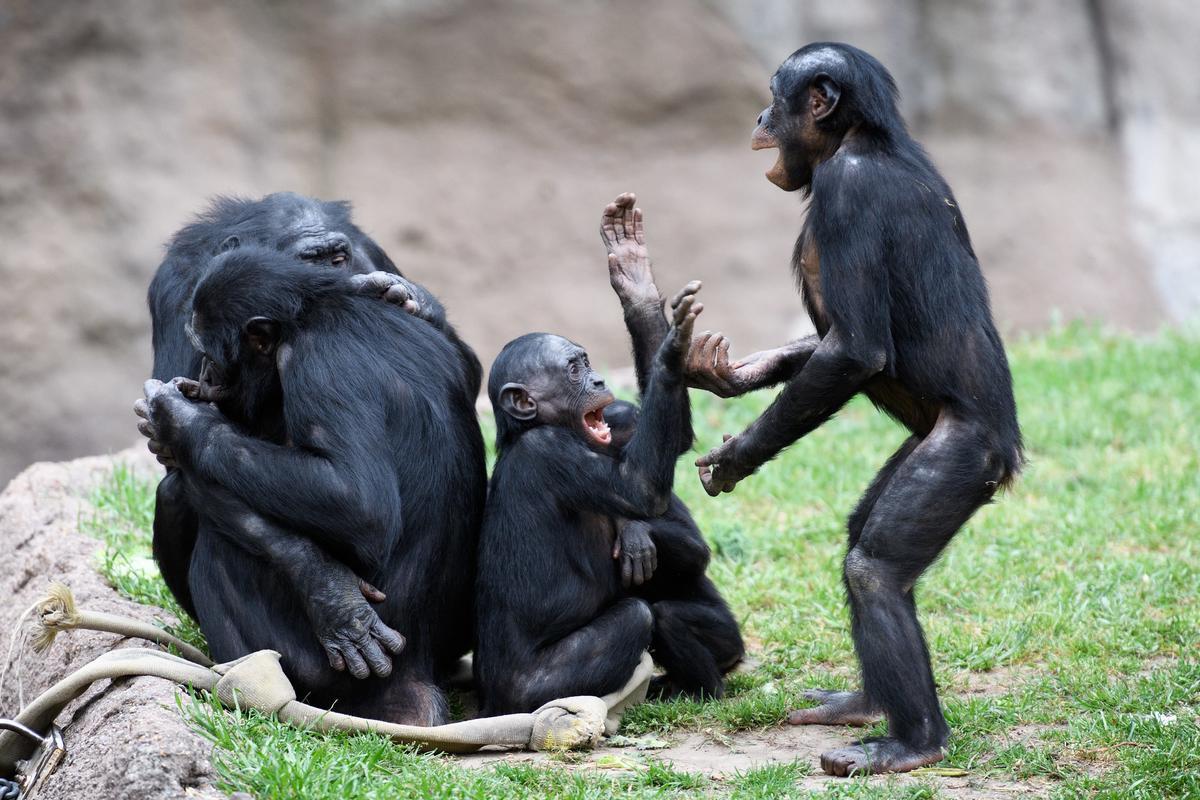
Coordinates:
(355, 446)
(902, 310)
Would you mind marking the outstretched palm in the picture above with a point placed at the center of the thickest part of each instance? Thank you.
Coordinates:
(624, 237)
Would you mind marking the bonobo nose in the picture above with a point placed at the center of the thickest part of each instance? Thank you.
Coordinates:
(760, 118)
(338, 241)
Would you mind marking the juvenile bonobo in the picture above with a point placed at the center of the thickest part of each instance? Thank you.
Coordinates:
(344, 448)
(663, 560)
(892, 284)
(553, 617)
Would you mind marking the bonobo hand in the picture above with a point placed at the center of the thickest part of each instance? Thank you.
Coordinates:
(723, 467)
(624, 238)
(684, 310)
(636, 551)
(708, 366)
(351, 633)
(166, 414)
(392, 289)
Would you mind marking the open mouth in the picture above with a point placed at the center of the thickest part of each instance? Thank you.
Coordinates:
(764, 140)
(594, 424)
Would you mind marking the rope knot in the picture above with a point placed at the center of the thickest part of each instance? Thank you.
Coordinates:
(568, 723)
(53, 613)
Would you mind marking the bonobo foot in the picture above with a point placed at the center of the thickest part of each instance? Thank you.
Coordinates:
(836, 708)
(876, 755)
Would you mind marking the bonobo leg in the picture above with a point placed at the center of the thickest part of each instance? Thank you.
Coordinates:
(932, 493)
(696, 642)
(853, 708)
(595, 659)
(175, 528)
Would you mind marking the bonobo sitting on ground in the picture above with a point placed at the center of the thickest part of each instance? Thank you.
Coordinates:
(345, 447)
(553, 617)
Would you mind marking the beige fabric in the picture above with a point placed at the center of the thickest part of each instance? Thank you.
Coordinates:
(257, 682)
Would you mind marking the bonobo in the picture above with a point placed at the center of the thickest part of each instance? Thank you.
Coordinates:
(553, 617)
(317, 232)
(663, 560)
(892, 284)
(344, 447)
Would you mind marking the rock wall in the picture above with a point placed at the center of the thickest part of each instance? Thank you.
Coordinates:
(479, 140)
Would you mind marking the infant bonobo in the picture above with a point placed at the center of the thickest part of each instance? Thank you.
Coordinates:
(553, 617)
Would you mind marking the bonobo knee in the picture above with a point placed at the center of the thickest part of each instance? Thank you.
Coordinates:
(864, 575)
(641, 615)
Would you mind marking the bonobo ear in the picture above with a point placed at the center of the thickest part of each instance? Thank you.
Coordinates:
(516, 401)
(262, 335)
(824, 93)
(230, 243)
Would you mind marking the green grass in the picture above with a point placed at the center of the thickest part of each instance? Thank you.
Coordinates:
(1074, 598)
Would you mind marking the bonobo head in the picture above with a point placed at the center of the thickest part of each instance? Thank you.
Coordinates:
(822, 92)
(315, 232)
(543, 379)
(247, 303)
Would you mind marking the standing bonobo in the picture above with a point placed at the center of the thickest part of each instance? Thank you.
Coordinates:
(893, 286)
(553, 617)
(343, 447)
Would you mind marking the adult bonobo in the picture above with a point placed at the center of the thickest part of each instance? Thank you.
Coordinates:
(344, 446)
(901, 310)
(554, 618)
(317, 233)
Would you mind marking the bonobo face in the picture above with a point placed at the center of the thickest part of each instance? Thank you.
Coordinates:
(799, 120)
(313, 231)
(558, 388)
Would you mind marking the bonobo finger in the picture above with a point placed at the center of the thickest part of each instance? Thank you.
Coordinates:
(157, 447)
(370, 593)
(335, 658)
(396, 294)
(639, 227)
(153, 388)
(626, 570)
(639, 574)
(691, 288)
(388, 637)
(411, 307)
(378, 661)
(146, 428)
(188, 388)
(617, 548)
(142, 409)
(354, 662)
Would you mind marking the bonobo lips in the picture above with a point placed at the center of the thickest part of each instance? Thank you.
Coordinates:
(594, 424)
(765, 140)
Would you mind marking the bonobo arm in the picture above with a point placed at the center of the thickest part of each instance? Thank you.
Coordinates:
(709, 369)
(637, 483)
(830, 378)
(331, 481)
(623, 232)
(415, 299)
(681, 549)
(352, 635)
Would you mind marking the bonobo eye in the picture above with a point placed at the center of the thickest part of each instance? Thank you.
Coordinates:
(573, 371)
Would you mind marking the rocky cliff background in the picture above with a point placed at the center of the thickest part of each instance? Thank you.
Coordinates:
(479, 141)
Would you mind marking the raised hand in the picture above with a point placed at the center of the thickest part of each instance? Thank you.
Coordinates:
(624, 237)
(684, 310)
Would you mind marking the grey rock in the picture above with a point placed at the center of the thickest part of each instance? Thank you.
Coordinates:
(124, 738)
